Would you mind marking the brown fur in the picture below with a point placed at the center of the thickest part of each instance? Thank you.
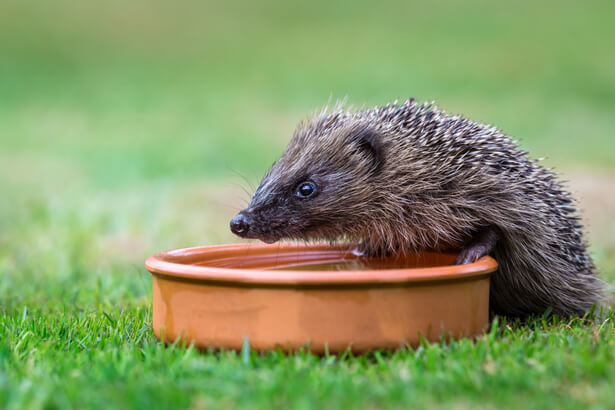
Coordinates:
(410, 177)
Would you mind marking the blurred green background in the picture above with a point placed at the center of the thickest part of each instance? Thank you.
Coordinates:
(144, 119)
(123, 92)
(128, 127)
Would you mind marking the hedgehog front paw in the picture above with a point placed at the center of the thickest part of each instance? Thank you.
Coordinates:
(470, 255)
(483, 244)
(369, 251)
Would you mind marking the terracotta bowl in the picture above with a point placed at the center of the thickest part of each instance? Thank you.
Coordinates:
(327, 298)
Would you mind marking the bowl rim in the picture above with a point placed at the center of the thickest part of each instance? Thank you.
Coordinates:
(166, 264)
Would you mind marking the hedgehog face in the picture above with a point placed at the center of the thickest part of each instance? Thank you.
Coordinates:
(317, 189)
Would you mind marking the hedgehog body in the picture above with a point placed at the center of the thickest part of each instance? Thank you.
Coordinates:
(409, 177)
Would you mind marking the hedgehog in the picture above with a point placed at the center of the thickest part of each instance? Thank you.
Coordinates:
(409, 177)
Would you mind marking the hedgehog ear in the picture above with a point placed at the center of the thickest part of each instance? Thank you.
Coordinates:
(369, 143)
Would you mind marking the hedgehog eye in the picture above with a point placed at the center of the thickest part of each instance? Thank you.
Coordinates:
(306, 189)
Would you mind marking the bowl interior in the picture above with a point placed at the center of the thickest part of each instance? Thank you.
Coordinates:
(322, 259)
(299, 257)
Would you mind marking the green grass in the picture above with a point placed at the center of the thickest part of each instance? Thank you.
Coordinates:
(109, 358)
(125, 128)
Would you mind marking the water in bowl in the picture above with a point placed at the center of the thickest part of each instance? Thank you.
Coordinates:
(354, 263)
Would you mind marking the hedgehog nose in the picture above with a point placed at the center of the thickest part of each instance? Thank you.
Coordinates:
(240, 225)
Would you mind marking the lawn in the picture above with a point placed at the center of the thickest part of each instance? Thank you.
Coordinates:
(131, 127)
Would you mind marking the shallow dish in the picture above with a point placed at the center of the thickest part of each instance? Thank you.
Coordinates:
(327, 298)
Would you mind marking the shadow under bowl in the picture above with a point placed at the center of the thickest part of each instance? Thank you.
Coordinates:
(324, 297)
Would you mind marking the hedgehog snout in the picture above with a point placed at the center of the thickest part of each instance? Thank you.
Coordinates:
(246, 225)
(240, 225)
